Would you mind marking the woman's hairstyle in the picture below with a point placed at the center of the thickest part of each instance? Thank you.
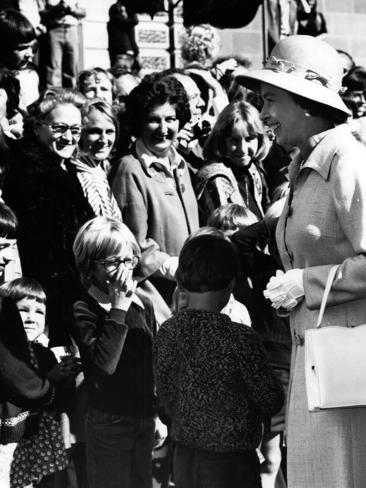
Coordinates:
(101, 238)
(8, 222)
(15, 29)
(47, 101)
(200, 43)
(207, 262)
(317, 109)
(231, 216)
(11, 85)
(238, 111)
(23, 288)
(104, 108)
(153, 90)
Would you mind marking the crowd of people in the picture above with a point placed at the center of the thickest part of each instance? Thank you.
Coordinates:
(165, 242)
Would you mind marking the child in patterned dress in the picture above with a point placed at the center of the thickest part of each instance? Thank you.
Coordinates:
(43, 453)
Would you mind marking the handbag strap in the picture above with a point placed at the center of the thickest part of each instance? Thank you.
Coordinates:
(328, 286)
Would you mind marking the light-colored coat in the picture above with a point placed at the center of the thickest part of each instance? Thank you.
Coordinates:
(326, 225)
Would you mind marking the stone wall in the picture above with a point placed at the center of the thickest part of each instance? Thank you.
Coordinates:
(346, 20)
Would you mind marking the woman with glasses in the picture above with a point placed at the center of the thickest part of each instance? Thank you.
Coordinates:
(115, 330)
(43, 189)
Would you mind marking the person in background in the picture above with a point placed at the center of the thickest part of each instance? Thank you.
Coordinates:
(200, 45)
(311, 22)
(123, 83)
(61, 17)
(115, 330)
(212, 375)
(18, 38)
(354, 83)
(96, 83)
(121, 33)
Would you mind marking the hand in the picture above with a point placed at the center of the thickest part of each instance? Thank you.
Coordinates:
(66, 370)
(273, 213)
(208, 78)
(184, 138)
(122, 289)
(230, 64)
(285, 289)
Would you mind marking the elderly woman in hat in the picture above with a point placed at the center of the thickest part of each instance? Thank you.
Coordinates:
(323, 223)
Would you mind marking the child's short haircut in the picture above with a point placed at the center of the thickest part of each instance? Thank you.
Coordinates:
(8, 222)
(207, 262)
(99, 239)
(23, 288)
(231, 216)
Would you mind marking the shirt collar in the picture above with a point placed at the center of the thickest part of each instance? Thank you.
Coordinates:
(151, 162)
(320, 156)
(104, 301)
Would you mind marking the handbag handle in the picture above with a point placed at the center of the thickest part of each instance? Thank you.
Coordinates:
(328, 286)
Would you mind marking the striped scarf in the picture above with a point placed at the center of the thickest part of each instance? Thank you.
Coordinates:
(97, 191)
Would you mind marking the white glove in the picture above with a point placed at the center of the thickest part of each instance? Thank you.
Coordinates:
(169, 267)
(285, 289)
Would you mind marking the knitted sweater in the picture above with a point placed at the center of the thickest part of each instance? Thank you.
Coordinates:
(213, 378)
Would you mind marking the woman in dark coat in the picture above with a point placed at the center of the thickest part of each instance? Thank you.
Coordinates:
(43, 190)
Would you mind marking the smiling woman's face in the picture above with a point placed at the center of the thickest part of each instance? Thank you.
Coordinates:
(60, 130)
(160, 129)
(99, 135)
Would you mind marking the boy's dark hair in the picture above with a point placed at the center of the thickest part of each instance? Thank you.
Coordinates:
(206, 263)
(23, 288)
(8, 222)
(15, 29)
(231, 216)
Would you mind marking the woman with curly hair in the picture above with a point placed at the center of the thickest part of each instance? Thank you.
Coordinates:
(152, 184)
(45, 193)
(200, 44)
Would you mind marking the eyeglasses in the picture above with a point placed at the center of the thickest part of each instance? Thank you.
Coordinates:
(114, 264)
(60, 129)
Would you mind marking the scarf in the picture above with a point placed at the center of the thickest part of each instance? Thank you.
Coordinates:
(97, 191)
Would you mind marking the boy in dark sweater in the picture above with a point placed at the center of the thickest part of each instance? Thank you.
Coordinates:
(115, 329)
(212, 375)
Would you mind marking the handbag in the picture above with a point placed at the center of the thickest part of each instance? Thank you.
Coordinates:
(335, 362)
